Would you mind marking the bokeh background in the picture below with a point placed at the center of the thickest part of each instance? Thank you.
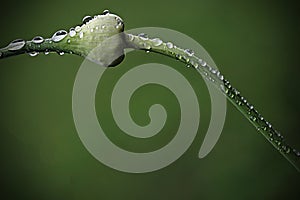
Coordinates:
(254, 43)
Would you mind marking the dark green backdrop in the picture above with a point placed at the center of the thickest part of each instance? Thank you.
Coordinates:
(254, 43)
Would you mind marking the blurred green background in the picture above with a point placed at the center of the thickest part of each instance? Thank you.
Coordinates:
(254, 43)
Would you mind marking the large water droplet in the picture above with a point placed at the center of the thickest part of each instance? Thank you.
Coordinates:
(38, 40)
(16, 45)
(59, 35)
(32, 54)
(86, 19)
(72, 32)
(189, 52)
(156, 41)
(105, 12)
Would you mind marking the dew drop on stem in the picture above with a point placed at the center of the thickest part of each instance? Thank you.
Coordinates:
(32, 54)
(143, 36)
(59, 35)
(189, 52)
(170, 45)
(38, 40)
(156, 41)
(16, 45)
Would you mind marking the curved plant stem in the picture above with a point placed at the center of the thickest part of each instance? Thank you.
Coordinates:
(218, 80)
(186, 56)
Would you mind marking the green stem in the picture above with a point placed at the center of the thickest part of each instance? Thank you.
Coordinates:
(78, 45)
(218, 80)
(30, 47)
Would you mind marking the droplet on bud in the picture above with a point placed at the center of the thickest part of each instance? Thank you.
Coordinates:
(72, 32)
(77, 29)
(81, 35)
(86, 19)
(105, 12)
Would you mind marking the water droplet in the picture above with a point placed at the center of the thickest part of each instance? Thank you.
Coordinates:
(147, 51)
(253, 118)
(61, 53)
(86, 19)
(202, 63)
(130, 37)
(261, 118)
(72, 32)
(156, 41)
(59, 35)
(46, 52)
(105, 12)
(221, 77)
(178, 56)
(32, 54)
(97, 27)
(288, 150)
(77, 29)
(81, 35)
(38, 40)
(147, 46)
(68, 41)
(92, 30)
(214, 71)
(170, 45)
(16, 44)
(143, 36)
(189, 52)
(196, 65)
(222, 87)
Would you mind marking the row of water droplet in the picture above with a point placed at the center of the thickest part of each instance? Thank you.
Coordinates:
(214, 75)
(257, 119)
(58, 36)
(185, 55)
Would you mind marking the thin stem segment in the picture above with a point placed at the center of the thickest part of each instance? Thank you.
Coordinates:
(217, 79)
(141, 42)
